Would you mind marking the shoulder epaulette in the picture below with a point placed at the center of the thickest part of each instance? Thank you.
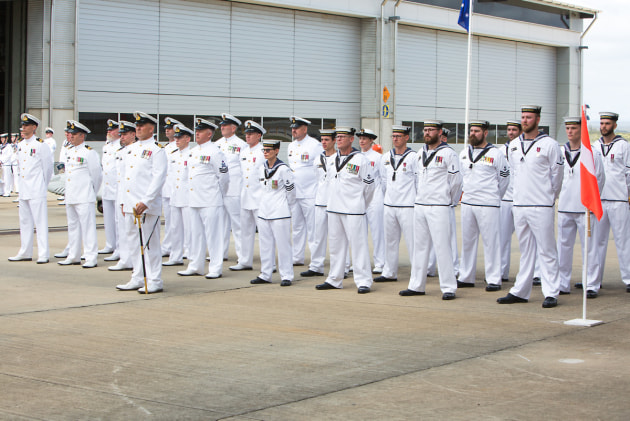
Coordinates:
(174, 150)
(88, 148)
(39, 140)
(160, 146)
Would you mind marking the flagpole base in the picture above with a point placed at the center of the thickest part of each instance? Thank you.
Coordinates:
(583, 322)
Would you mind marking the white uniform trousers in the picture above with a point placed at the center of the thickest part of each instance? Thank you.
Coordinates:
(232, 222)
(568, 225)
(206, 231)
(397, 221)
(480, 220)
(180, 232)
(375, 218)
(16, 178)
(33, 214)
(319, 239)
(272, 233)
(123, 246)
(249, 219)
(7, 176)
(454, 247)
(152, 250)
(506, 229)
(109, 221)
(535, 231)
(432, 228)
(616, 217)
(432, 265)
(166, 209)
(303, 223)
(348, 231)
(82, 229)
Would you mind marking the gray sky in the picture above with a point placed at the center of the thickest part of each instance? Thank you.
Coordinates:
(607, 60)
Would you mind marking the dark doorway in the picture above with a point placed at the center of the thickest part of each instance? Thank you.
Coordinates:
(12, 63)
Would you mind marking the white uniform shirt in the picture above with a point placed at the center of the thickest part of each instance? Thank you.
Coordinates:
(252, 160)
(110, 171)
(231, 148)
(509, 192)
(52, 144)
(301, 157)
(399, 174)
(167, 188)
(35, 166)
(83, 175)
(439, 178)
(323, 164)
(616, 156)
(143, 176)
(208, 176)
(486, 175)
(120, 170)
(538, 171)
(375, 159)
(7, 151)
(179, 173)
(278, 191)
(64, 150)
(570, 199)
(351, 185)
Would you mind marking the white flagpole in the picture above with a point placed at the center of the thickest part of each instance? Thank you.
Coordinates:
(468, 67)
(587, 222)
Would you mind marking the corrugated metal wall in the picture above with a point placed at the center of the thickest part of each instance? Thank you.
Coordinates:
(37, 38)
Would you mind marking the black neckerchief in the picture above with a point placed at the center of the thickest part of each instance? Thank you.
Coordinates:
(322, 159)
(427, 160)
(481, 154)
(393, 161)
(536, 139)
(269, 172)
(339, 164)
(567, 155)
(609, 146)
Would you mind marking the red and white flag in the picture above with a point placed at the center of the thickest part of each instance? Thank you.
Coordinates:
(588, 181)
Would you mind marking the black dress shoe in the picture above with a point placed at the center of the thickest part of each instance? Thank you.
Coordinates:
(285, 283)
(410, 292)
(465, 284)
(325, 285)
(448, 296)
(511, 299)
(298, 264)
(591, 294)
(493, 287)
(578, 285)
(309, 273)
(536, 281)
(627, 288)
(504, 280)
(259, 281)
(565, 292)
(363, 290)
(384, 279)
(550, 302)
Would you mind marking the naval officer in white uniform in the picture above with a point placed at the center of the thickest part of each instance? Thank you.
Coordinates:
(112, 144)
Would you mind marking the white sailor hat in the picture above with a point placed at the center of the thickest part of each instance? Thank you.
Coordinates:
(433, 123)
(608, 115)
(205, 124)
(126, 126)
(327, 132)
(181, 130)
(478, 123)
(49, 130)
(73, 126)
(298, 121)
(401, 129)
(4, 135)
(28, 119)
(531, 109)
(367, 133)
(271, 143)
(572, 120)
(513, 123)
(345, 130)
(229, 119)
(112, 125)
(170, 122)
(144, 118)
(252, 126)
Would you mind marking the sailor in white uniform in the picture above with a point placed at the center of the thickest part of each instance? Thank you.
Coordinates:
(35, 171)
(252, 160)
(302, 153)
(399, 168)
(83, 177)
(167, 189)
(350, 192)
(439, 187)
(112, 144)
(538, 164)
(51, 142)
(616, 156)
(274, 216)
(486, 176)
(7, 151)
(143, 178)
(208, 184)
(571, 211)
(375, 210)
